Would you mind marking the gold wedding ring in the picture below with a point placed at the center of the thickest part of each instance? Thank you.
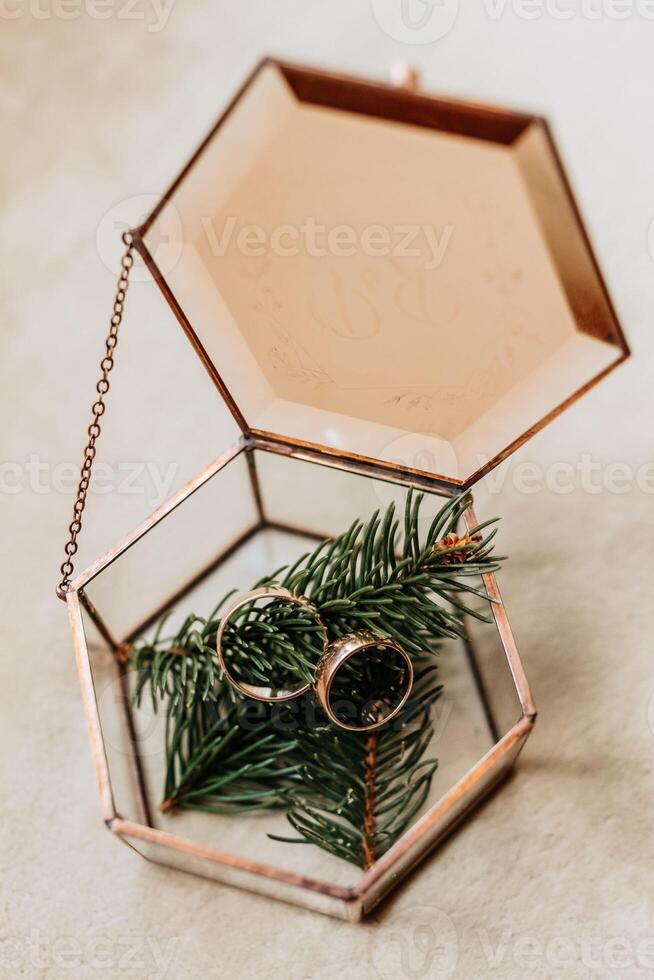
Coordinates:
(254, 691)
(377, 712)
(373, 714)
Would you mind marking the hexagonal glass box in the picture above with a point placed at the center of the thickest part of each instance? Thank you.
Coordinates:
(389, 291)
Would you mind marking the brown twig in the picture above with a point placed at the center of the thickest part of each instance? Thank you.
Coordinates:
(370, 798)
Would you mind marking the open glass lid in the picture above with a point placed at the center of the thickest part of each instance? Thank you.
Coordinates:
(382, 274)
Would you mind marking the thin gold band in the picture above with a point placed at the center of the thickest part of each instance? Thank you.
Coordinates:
(254, 691)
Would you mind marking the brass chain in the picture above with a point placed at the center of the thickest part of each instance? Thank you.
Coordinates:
(98, 409)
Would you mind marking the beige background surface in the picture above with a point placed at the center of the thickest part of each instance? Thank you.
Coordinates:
(553, 877)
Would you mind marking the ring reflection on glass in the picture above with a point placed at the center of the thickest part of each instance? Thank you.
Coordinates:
(258, 692)
(380, 709)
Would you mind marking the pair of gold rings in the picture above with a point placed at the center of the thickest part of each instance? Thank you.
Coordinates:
(331, 670)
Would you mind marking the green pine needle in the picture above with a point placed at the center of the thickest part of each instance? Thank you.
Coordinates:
(352, 794)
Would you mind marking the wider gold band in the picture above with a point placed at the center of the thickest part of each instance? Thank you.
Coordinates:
(337, 654)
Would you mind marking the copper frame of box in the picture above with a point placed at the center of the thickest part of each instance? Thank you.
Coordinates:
(350, 903)
(599, 320)
(551, 197)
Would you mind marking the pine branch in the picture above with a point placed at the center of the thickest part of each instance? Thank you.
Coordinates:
(358, 794)
(349, 793)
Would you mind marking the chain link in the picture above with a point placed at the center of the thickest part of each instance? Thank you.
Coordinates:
(98, 409)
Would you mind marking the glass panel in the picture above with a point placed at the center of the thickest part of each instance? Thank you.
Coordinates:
(188, 540)
(176, 550)
(492, 675)
(295, 894)
(115, 717)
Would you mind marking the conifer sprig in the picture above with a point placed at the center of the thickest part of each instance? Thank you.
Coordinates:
(352, 794)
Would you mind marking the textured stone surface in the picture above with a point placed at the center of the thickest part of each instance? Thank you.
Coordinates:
(553, 877)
